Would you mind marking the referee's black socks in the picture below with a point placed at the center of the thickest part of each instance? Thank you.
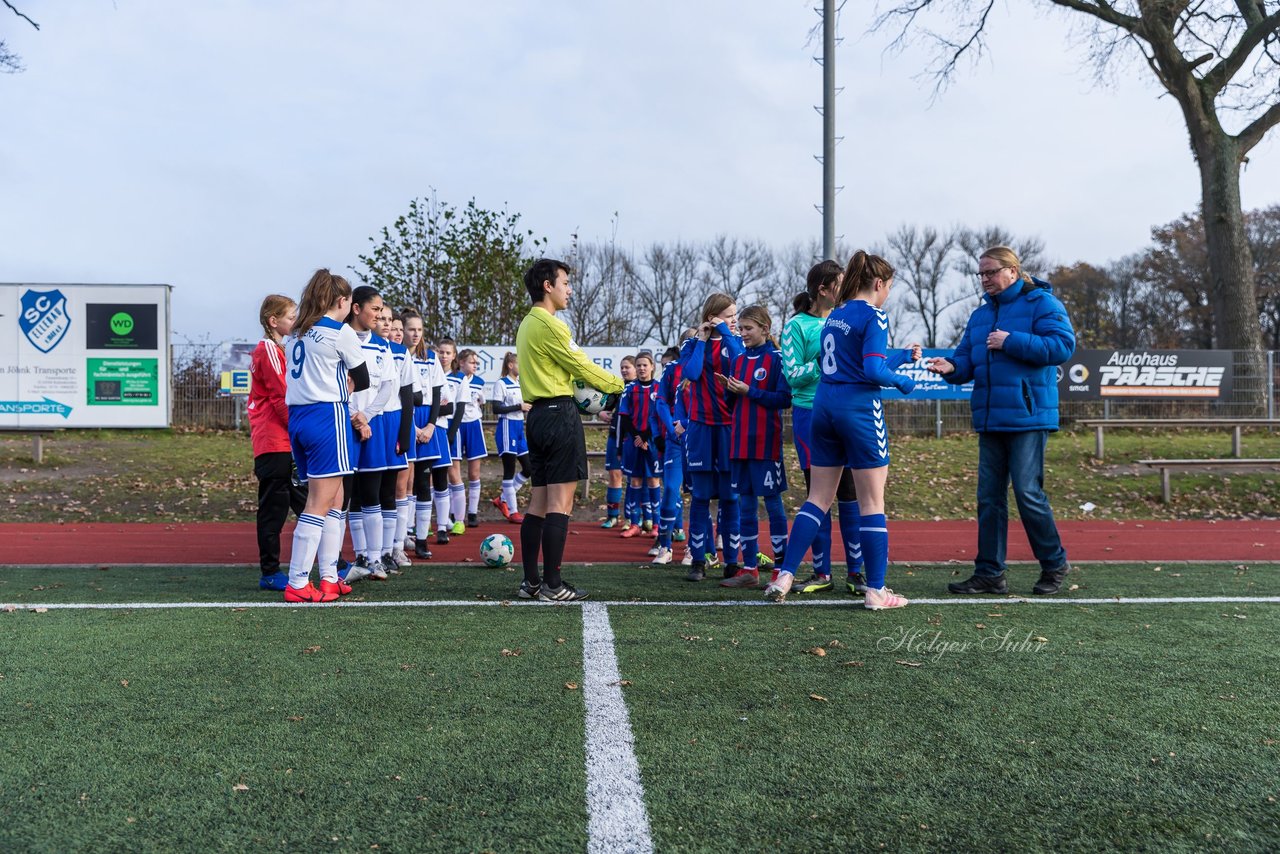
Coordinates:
(530, 543)
(555, 530)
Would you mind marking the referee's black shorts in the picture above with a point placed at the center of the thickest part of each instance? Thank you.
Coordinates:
(557, 446)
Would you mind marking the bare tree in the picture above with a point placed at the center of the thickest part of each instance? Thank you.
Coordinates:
(1218, 59)
(668, 290)
(737, 268)
(924, 258)
(600, 310)
(10, 62)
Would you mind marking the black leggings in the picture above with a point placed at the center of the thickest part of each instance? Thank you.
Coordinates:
(376, 489)
(845, 491)
(426, 478)
(509, 466)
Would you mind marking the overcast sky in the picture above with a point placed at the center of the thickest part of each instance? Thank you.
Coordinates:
(231, 148)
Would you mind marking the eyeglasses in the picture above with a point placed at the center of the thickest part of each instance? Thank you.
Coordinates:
(990, 274)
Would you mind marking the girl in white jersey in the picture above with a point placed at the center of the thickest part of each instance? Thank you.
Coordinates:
(324, 362)
(442, 464)
(509, 406)
(401, 448)
(466, 440)
(429, 440)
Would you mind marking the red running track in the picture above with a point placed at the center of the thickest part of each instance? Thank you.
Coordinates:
(924, 542)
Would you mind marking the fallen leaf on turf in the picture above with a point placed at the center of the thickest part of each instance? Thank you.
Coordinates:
(9, 609)
(511, 652)
(1074, 587)
(835, 644)
(625, 683)
(559, 640)
(234, 610)
(911, 663)
(818, 651)
(311, 649)
(1157, 568)
(294, 718)
(41, 610)
(979, 625)
(406, 667)
(852, 664)
(995, 615)
(818, 697)
(240, 787)
(1039, 639)
(571, 686)
(124, 682)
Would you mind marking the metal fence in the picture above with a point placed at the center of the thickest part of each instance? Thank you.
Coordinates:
(197, 371)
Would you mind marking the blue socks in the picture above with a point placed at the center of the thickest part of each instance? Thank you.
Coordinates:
(804, 532)
(613, 499)
(777, 525)
(849, 534)
(749, 526)
(875, 548)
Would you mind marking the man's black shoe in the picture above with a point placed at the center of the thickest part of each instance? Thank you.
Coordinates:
(421, 549)
(981, 584)
(1051, 582)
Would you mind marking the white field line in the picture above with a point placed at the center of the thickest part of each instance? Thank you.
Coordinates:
(617, 820)
(986, 601)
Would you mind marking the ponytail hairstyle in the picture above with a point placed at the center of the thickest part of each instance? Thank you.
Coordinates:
(407, 314)
(1006, 257)
(715, 304)
(507, 361)
(861, 274)
(821, 275)
(360, 296)
(319, 296)
(276, 305)
(687, 334)
(462, 356)
(759, 315)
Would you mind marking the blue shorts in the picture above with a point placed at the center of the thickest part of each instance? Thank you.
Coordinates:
(849, 431)
(627, 456)
(390, 435)
(469, 443)
(758, 478)
(373, 451)
(611, 460)
(509, 437)
(707, 447)
(801, 431)
(437, 451)
(322, 439)
(644, 464)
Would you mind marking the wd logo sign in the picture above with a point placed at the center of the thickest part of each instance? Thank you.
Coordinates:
(44, 319)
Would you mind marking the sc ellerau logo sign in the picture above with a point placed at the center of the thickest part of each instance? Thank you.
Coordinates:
(44, 318)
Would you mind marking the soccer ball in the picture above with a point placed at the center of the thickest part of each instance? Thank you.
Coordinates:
(497, 550)
(590, 400)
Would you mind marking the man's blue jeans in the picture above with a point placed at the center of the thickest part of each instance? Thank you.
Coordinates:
(1016, 457)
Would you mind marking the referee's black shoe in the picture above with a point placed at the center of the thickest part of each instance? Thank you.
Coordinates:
(981, 584)
(566, 592)
(1051, 580)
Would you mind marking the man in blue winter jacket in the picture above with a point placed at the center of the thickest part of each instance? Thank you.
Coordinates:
(1012, 345)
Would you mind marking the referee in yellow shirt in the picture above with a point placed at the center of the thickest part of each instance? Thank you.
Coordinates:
(549, 362)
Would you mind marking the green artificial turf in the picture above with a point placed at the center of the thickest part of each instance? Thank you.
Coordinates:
(991, 725)
(350, 730)
(474, 582)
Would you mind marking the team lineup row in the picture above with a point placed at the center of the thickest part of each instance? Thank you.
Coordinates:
(370, 404)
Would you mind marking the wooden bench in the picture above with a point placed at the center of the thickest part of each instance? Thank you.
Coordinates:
(1236, 425)
(1166, 466)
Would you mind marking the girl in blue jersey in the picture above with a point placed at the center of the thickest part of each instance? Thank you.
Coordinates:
(759, 393)
(613, 456)
(509, 406)
(708, 433)
(671, 498)
(325, 362)
(637, 431)
(848, 424)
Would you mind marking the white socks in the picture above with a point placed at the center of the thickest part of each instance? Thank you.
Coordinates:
(306, 542)
(473, 496)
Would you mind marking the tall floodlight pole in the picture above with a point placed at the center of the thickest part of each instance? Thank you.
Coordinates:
(828, 129)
